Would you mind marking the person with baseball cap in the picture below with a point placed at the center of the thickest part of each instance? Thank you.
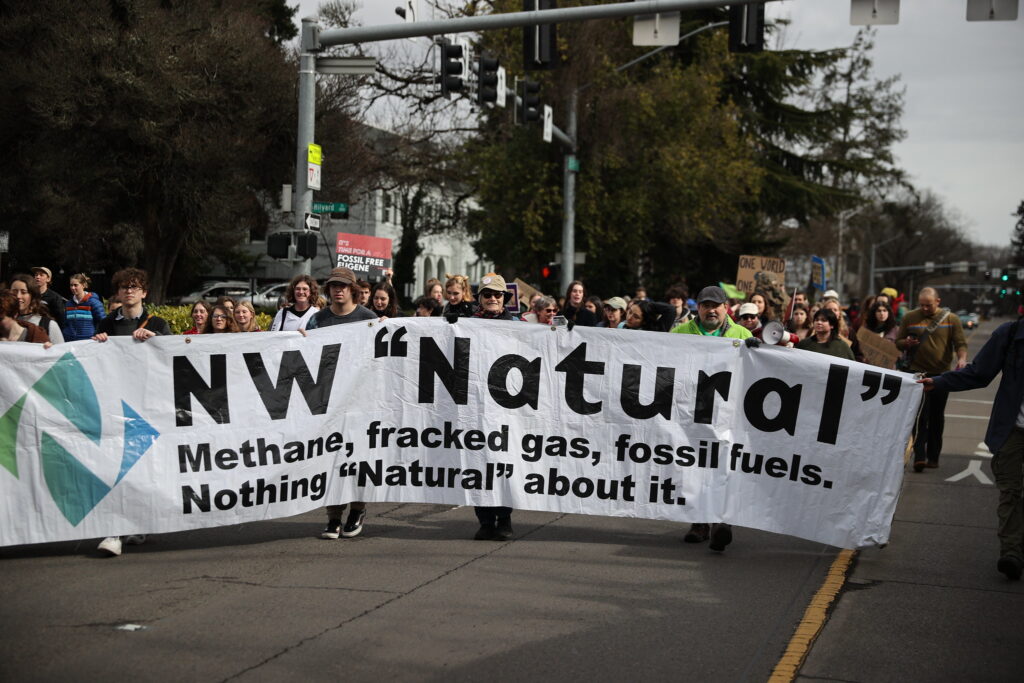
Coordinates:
(343, 293)
(713, 321)
(713, 317)
(54, 301)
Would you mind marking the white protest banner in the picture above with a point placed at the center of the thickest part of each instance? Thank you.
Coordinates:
(177, 433)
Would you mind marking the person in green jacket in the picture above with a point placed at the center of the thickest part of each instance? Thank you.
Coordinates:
(712, 321)
(713, 317)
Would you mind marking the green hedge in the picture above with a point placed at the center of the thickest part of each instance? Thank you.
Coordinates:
(180, 318)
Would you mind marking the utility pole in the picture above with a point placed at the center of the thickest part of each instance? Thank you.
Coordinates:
(302, 201)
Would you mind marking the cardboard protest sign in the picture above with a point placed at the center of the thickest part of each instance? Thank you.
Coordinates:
(749, 266)
(876, 350)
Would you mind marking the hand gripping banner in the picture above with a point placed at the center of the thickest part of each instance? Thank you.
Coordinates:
(177, 433)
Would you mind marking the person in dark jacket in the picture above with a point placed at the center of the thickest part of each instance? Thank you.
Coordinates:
(1003, 352)
(131, 319)
(54, 301)
(495, 521)
(653, 316)
(459, 297)
(574, 309)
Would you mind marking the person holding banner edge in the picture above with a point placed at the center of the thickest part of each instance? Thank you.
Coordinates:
(712, 321)
(495, 520)
(342, 289)
(1003, 352)
(131, 319)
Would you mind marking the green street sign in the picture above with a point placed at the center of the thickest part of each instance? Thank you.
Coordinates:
(331, 207)
(574, 164)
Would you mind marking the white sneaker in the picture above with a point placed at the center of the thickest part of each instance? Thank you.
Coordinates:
(111, 546)
(137, 539)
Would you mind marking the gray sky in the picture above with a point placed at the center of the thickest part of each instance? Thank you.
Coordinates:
(964, 107)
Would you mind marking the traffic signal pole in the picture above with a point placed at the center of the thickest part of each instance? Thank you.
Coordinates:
(313, 40)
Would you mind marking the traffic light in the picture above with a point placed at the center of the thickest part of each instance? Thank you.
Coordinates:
(487, 79)
(305, 245)
(529, 101)
(746, 28)
(278, 244)
(551, 273)
(450, 73)
(539, 42)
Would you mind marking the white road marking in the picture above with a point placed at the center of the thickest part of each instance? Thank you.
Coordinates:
(970, 417)
(971, 400)
(973, 469)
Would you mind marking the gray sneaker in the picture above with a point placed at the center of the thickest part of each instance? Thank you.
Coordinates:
(110, 546)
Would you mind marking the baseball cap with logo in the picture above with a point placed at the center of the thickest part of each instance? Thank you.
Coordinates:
(495, 283)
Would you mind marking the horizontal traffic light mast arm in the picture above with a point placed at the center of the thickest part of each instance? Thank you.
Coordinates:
(370, 34)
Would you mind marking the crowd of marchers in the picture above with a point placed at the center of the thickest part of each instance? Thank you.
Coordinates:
(928, 340)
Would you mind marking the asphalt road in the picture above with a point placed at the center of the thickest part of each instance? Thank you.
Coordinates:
(572, 598)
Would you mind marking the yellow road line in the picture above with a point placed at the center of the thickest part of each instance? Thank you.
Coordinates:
(813, 620)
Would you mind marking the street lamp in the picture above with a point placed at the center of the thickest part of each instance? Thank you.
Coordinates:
(843, 216)
(871, 282)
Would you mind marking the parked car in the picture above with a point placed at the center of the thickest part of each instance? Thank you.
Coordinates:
(211, 291)
(971, 321)
(270, 296)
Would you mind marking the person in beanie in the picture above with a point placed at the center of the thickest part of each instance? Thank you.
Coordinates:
(343, 293)
(492, 295)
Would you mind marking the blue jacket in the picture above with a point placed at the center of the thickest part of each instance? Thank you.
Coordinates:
(1000, 353)
(83, 318)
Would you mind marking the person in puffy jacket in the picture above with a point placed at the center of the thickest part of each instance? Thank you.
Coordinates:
(83, 311)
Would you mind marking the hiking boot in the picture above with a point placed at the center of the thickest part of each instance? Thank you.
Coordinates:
(932, 465)
(919, 465)
(110, 546)
(721, 536)
(332, 530)
(698, 533)
(1010, 566)
(504, 532)
(354, 523)
(486, 532)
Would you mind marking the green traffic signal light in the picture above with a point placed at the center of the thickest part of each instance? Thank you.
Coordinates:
(1005, 277)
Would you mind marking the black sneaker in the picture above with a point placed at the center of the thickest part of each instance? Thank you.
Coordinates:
(721, 536)
(333, 529)
(486, 532)
(354, 523)
(504, 532)
(698, 533)
(1010, 566)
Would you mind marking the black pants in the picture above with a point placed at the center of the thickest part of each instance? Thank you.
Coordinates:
(930, 424)
(489, 516)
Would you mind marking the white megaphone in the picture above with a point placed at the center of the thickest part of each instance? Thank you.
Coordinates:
(773, 332)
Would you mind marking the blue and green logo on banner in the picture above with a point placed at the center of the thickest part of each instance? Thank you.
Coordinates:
(73, 486)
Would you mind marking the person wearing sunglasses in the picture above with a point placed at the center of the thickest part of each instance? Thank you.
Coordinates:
(492, 294)
(544, 310)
